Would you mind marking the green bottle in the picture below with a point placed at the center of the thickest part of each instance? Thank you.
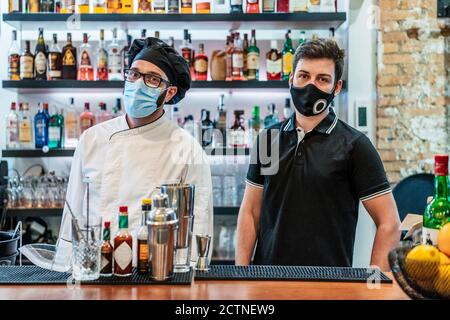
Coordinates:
(288, 57)
(253, 59)
(56, 131)
(437, 212)
(256, 119)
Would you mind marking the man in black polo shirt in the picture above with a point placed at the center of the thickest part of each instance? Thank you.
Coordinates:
(308, 174)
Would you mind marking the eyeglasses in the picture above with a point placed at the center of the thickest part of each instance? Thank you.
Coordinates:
(150, 80)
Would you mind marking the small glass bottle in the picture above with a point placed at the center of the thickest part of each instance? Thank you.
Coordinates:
(54, 60)
(143, 254)
(237, 130)
(102, 59)
(103, 114)
(287, 110)
(107, 251)
(86, 68)
(25, 127)
(71, 125)
(115, 59)
(12, 128)
(87, 118)
(238, 59)
(123, 246)
(201, 64)
(272, 117)
(207, 129)
(252, 6)
(14, 59)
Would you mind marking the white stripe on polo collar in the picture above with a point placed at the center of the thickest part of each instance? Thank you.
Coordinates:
(332, 125)
(287, 125)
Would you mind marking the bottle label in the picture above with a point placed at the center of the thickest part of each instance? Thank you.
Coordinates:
(429, 236)
(201, 65)
(71, 128)
(237, 137)
(115, 61)
(186, 52)
(54, 134)
(14, 67)
(123, 255)
(54, 65)
(33, 6)
(25, 132)
(102, 59)
(274, 67)
(86, 123)
(40, 63)
(26, 67)
(236, 2)
(145, 5)
(143, 251)
(12, 131)
(159, 4)
(268, 5)
(85, 59)
(105, 262)
(40, 125)
(238, 60)
(68, 59)
(253, 61)
(287, 62)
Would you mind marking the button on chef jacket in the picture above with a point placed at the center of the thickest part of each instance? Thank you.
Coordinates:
(126, 165)
(311, 191)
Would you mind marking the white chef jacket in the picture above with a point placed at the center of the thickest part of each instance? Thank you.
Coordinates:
(126, 165)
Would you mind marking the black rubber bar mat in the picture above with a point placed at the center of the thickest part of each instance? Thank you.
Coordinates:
(229, 272)
(36, 275)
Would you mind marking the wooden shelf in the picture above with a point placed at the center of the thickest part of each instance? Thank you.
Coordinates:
(268, 21)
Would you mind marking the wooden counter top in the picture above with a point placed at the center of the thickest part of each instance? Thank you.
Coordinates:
(209, 290)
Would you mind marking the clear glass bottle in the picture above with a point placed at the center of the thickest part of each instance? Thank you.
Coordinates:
(220, 6)
(237, 130)
(87, 118)
(221, 123)
(12, 128)
(103, 114)
(328, 6)
(269, 6)
(14, 58)
(124, 52)
(142, 238)
(115, 59)
(298, 5)
(272, 117)
(25, 127)
(102, 58)
(207, 129)
(287, 110)
(238, 59)
(86, 67)
(71, 126)
(54, 60)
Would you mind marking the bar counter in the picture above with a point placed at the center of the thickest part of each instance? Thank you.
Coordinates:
(209, 290)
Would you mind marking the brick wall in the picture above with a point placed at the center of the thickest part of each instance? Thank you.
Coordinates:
(412, 86)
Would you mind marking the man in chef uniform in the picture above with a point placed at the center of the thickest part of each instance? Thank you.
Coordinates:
(127, 158)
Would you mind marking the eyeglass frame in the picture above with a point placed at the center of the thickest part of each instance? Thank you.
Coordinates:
(142, 75)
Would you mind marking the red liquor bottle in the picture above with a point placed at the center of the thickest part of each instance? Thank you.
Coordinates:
(87, 118)
(201, 64)
(282, 5)
(252, 6)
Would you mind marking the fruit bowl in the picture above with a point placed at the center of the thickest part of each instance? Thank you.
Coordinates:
(415, 287)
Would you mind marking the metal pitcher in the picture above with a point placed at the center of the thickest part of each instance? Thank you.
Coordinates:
(162, 224)
(181, 200)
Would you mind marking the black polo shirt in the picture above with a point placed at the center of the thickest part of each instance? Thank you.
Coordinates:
(312, 186)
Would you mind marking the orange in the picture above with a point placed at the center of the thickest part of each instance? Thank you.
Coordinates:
(444, 239)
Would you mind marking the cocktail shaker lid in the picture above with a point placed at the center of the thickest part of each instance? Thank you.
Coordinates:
(161, 214)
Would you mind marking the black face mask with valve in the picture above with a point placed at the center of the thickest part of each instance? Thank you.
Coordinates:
(310, 100)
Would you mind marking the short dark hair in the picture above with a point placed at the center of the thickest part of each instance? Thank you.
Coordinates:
(322, 48)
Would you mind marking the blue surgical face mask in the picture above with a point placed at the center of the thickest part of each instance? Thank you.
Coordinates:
(140, 101)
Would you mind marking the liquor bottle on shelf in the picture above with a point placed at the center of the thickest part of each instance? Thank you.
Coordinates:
(238, 59)
(143, 33)
(113, 6)
(87, 118)
(127, 6)
(186, 6)
(69, 60)
(144, 6)
(202, 6)
(282, 5)
(57, 6)
(107, 251)
(15, 6)
(41, 120)
(245, 48)
(254, 126)
(40, 57)
(253, 59)
(220, 6)
(48, 6)
(25, 127)
(12, 128)
(68, 6)
(86, 68)
(328, 6)
(124, 51)
(102, 58)
(27, 63)
(14, 59)
(157, 35)
(229, 58)
(252, 6)
(171, 42)
(142, 238)
(103, 114)
(71, 126)
(207, 129)
(272, 117)
(83, 6)
(185, 48)
(236, 6)
(56, 131)
(175, 115)
(115, 59)
(221, 123)
(288, 57)
(173, 6)
(298, 5)
(268, 6)
(123, 246)
(302, 39)
(100, 6)
(437, 212)
(117, 111)
(287, 111)
(54, 60)
(201, 64)
(274, 65)
(159, 6)
(33, 6)
(237, 131)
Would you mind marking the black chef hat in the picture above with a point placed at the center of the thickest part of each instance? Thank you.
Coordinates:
(167, 59)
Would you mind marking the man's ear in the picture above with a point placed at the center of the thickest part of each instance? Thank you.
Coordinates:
(338, 88)
(171, 92)
(291, 79)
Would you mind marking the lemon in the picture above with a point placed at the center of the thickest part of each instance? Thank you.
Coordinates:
(442, 282)
(422, 263)
(445, 260)
(444, 239)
